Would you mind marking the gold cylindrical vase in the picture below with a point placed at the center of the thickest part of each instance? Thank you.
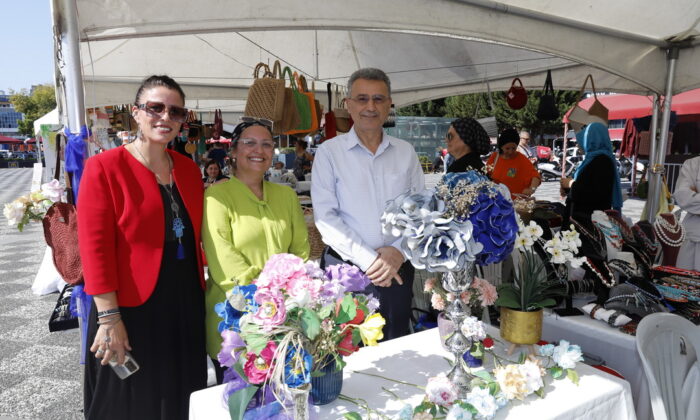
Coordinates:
(521, 327)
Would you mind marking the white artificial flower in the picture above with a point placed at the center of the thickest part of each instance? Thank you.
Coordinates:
(577, 262)
(14, 212)
(566, 355)
(534, 230)
(483, 401)
(520, 242)
(52, 190)
(440, 390)
(457, 412)
(557, 255)
(555, 242)
(473, 329)
(533, 375)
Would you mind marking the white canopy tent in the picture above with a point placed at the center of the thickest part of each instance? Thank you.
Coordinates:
(430, 49)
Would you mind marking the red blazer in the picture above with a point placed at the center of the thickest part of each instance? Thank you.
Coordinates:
(121, 224)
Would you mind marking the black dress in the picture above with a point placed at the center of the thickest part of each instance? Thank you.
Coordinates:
(472, 160)
(168, 340)
(592, 189)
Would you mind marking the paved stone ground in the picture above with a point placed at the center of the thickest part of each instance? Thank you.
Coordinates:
(40, 374)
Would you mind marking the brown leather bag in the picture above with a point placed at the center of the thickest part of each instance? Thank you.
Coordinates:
(61, 234)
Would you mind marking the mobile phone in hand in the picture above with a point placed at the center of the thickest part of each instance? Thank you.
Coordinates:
(127, 369)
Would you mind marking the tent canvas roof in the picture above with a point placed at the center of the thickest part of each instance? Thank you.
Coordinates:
(430, 49)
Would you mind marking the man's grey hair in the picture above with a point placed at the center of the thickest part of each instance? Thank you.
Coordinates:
(369, 73)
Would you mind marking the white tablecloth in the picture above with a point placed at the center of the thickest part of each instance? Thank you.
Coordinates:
(618, 350)
(417, 357)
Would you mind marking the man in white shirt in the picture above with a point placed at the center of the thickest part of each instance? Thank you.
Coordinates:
(354, 175)
(524, 146)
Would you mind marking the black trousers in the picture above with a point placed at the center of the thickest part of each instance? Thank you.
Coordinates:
(394, 301)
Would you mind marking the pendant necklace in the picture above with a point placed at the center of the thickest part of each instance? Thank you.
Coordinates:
(178, 226)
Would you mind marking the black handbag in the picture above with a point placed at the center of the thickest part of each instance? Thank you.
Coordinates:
(61, 317)
(547, 109)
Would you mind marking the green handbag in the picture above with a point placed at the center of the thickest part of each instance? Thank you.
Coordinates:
(302, 104)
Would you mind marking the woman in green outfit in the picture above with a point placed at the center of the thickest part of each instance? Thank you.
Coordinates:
(246, 221)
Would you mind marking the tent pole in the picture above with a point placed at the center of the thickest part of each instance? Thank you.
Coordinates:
(658, 168)
(651, 201)
(69, 65)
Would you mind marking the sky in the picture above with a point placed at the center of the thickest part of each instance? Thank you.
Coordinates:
(26, 56)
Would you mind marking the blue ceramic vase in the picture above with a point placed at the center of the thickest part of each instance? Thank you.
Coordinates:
(472, 361)
(326, 388)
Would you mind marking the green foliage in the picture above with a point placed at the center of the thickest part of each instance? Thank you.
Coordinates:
(352, 416)
(310, 323)
(347, 311)
(572, 375)
(33, 106)
(556, 372)
(477, 105)
(532, 288)
(238, 401)
(255, 339)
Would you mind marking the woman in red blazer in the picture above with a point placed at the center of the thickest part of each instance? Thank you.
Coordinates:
(139, 223)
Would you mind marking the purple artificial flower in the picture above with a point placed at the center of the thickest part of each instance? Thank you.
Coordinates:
(313, 270)
(331, 291)
(349, 276)
(228, 354)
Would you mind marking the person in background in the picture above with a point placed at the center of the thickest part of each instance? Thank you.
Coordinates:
(466, 141)
(688, 199)
(218, 154)
(596, 182)
(246, 221)
(524, 146)
(355, 174)
(286, 177)
(139, 237)
(212, 173)
(511, 168)
(303, 160)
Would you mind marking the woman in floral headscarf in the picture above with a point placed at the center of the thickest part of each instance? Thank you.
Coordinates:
(596, 183)
(466, 141)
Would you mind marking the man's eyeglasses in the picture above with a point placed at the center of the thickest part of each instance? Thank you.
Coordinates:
(177, 113)
(253, 143)
(364, 99)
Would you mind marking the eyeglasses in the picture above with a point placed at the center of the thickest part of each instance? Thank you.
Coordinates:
(364, 99)
(263, 121)
(253, 143)
(525, 138)
(449, 136)
(177, 113)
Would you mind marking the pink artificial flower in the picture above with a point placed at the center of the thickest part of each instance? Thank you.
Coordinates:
(465, 296)
(280, 268)
(438, 302)
(488, 294)
(429, 284)
(440, 390)
(259, 367)
(304, 285)
(271, 310)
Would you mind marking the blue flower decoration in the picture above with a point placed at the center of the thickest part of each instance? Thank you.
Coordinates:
(495, 227)
(297, 367)
(470, 177)
(242, 296)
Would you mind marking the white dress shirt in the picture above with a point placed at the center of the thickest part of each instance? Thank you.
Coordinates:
(351, 187)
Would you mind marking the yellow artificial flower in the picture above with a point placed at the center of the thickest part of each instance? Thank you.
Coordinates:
(371, 329)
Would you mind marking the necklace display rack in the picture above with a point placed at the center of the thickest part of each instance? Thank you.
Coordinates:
(671, 235)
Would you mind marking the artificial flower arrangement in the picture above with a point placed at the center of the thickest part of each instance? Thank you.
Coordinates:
(535, 286)
(287, 325)
(33, 206)
(466, 218)
(493, 390)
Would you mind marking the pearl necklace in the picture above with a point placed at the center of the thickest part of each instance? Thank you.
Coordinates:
(600, 275)
(662, 228)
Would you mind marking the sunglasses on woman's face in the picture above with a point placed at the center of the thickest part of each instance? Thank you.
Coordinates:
(177, 113)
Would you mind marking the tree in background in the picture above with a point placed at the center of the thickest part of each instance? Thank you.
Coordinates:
(477, 105)
(34, 105)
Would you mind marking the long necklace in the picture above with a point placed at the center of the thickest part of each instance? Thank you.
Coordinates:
(664, 229)
(651, 247)
(596, 239)
(178, 226)
(600, 275)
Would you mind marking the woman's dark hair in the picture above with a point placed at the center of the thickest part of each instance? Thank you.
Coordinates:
(155, 81)
(240, 128)
(211, 162)
(509, 135)
(302, 143)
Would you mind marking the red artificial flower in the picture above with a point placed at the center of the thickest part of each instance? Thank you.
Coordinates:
(359, 317)
(345, 347)
(488, 343)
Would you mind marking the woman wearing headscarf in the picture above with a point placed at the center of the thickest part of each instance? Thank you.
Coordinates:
(596, 183)
(466, 141)
(511, 168)
(246, 221)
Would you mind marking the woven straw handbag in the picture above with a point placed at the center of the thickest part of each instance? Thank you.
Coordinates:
(596, 113)
(301, 102)
(266, 96)
(61, 234)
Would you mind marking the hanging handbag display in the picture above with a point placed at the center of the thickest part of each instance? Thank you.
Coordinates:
(290, 116)
(265, 96)
(218, 127)
(62, 318)
(329, 127)
(547, 109)
(61, 234)
(343, 120)
(303, 88)
(301, 103)
(516, 97)
(596, 113)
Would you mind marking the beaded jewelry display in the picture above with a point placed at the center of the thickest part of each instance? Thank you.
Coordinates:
(610, 230)
(666, 231)
(616, 219)
(595, 238)
(651, 247)
(609, 283)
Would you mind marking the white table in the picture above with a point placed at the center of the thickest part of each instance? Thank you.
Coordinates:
(417, 357)
(618, 350)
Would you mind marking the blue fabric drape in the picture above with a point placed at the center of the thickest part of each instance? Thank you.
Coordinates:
(595, 141)
(76, 151)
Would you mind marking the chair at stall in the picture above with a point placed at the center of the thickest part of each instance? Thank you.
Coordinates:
(667, 345)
